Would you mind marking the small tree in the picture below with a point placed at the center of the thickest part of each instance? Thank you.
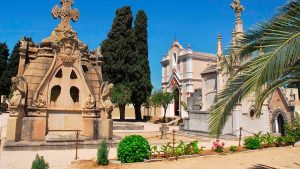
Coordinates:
(155, 101)
(121, 95)
(39, 163)
(163, 99)
(102, 155)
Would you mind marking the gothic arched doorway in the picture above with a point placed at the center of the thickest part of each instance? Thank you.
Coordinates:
(176, 102)
(280, 122)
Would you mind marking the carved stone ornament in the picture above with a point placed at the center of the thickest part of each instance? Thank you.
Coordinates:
(19, 88)
(37, 113)
(106, 104)
(89, 103)
(68, 51)
(40, 102)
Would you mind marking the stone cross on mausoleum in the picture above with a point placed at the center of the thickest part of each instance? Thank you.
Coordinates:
(236, 5)
(65, 14)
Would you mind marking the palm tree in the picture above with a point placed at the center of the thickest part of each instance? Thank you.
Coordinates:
(276, 66)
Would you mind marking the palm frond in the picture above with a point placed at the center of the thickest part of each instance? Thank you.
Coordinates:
(280, 40)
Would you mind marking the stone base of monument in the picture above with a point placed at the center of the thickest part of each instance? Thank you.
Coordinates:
(63, 137)
(91, 128)
(33, 128)
(14, 128)
(107, 129)
(297, 144)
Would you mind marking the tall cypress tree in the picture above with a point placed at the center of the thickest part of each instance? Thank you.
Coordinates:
(141, 80)
(4, 53)
(11, 70)
(117, 50)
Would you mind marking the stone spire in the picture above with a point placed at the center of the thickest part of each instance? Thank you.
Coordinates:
(238, 8)
(238, 30)
(219, 52)
(219, 47)
(65, 14)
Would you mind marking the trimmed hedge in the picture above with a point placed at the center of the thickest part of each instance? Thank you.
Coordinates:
(133, 148)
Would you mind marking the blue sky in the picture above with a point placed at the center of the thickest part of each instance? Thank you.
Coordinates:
(197, 22)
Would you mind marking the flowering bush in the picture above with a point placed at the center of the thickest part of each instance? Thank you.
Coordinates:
(218, 146)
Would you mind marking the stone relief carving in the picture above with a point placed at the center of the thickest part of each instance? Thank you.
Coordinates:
(89, 102)
(40, 102)
(106, 104)
(19, 88)
(68, 51)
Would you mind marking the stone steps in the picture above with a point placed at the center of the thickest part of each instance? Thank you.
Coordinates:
(127, 126)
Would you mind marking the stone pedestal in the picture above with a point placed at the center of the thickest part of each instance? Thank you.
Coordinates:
(14, 129)
(33, 129)
(107, 129)
(91, 128)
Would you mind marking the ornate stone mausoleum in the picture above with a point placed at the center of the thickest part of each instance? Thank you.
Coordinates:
(59, 88)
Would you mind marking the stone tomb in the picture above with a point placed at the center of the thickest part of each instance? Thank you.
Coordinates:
(59, 88)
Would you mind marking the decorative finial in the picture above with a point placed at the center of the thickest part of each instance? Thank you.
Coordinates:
(219, 47)
(238, 8)
(219, 37)
(189, 46)
(65, 14)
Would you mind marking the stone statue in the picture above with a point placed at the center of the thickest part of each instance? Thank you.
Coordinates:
(19, 88)
(106, 104)
(89, 103)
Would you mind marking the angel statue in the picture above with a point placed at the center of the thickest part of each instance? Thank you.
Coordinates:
(106, 104)
(19, 88)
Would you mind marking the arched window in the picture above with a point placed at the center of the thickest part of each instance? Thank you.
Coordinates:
(85, 68)
(55, 92)
(252, 113)
(74, 92)
(73, 75)
(59, 74)
(174, 59)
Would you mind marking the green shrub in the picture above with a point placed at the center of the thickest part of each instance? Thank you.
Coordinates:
(39, 163)
(233, 148)
(102, 155)
(293, 131)
(280, 141)
(252, 143)
(133, 148)
(267, 140)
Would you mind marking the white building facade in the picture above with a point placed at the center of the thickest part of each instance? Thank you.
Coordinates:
(199, 77)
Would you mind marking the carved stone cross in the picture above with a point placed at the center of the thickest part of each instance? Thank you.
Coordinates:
(236, 5)
(65, 14)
